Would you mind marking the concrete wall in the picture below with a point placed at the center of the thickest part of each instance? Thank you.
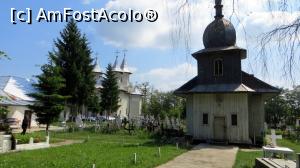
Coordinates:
(18, 113)
(218, 105)
(124, 103)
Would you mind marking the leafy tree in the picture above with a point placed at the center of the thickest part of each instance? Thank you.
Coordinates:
(73, 57)
(293, 101)
(276, 110)
(49, 102)
(94, 104)
(3, 55)
(110, 92)
(145, 89)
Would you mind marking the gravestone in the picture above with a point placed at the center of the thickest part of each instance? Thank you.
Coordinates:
(31, 140)
(274, 137)
(79, 122)
(5, 143)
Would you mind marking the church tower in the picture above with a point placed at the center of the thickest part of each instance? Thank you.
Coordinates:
(224, 103)
(98, 73)
(122, 72)
(220, 61)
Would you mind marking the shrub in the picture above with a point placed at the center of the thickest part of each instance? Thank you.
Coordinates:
(24, 139)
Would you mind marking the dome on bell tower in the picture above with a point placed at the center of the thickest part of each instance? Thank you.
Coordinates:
(219, 33)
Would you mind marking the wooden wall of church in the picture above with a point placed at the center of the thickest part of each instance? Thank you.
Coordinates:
(218, 105)
(256, 116)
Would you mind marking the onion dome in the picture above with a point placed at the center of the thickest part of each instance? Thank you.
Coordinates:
(221, 32)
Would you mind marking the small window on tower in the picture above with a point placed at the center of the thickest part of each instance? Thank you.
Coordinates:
(234, 120)
(218, 67)
(205, 119)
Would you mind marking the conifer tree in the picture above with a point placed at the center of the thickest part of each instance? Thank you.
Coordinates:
(73, 57)
(49, 102)
(110, 92)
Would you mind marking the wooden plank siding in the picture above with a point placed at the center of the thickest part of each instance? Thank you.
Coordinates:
(218, 105)
(256, 116)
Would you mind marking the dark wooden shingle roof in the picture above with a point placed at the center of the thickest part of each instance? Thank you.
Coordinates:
(249, 84)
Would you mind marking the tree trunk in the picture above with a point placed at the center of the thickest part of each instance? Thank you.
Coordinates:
(47, 128)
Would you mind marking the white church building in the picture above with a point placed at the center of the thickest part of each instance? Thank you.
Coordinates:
(14, 96)
(130, 97)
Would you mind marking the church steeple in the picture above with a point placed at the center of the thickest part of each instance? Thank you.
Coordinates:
(115, 65)
(97, 68)
(123, 66)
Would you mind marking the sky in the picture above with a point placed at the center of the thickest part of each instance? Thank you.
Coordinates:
(154, 55)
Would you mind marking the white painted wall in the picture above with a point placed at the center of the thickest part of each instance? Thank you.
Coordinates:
(18, 113)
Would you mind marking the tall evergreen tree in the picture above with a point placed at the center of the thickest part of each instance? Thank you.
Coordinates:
(73, 57)
(49, 102)
(110, 92)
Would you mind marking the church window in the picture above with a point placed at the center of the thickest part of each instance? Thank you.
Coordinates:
(205, 119)
(233, 119)
(218, 67)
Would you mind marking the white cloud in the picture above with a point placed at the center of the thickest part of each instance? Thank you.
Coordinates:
(132, 69)
(157, 34)
(167, 79)
(87, 2)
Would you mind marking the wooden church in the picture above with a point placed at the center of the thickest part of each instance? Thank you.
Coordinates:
(224, 103)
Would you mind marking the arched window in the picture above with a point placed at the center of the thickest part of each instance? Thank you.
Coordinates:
(218, 67)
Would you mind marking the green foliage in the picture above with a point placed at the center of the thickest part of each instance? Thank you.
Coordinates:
(94, 104)
(162, 105)
(49, 103)
(3, 55)
(110, 92)
(145, 90)
(284, 108)
(3, 110)
(73, 57)
(276, 109)
(24, 139)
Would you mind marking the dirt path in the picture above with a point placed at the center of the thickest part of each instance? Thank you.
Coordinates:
(206, 156)
(66, 142)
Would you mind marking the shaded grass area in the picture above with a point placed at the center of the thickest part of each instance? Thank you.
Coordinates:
(105, 150)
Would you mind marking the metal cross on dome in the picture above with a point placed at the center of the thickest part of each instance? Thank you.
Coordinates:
(117, 52)
(125, 51)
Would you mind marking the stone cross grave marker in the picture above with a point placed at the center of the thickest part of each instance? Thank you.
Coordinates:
(274, 137)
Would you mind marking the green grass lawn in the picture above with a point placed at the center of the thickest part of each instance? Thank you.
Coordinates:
(246, 159)
(105, 150)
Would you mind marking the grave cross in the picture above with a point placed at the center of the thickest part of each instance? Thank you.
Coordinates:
(274, 137)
